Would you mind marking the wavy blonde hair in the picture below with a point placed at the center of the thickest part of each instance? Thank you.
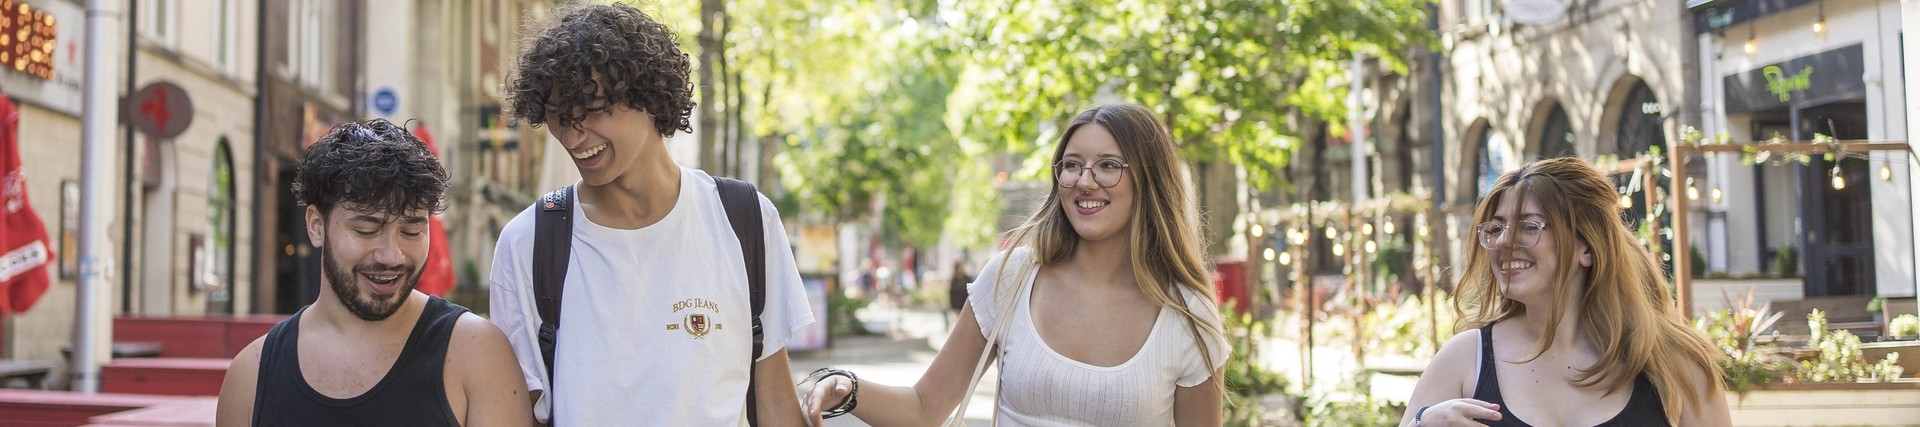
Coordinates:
(1626, 305)
(1164, 240)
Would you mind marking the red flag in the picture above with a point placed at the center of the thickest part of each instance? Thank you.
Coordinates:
(24, 253)
(437, 279)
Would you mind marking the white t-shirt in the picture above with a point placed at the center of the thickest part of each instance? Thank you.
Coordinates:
(1040, 387)
(656, 323)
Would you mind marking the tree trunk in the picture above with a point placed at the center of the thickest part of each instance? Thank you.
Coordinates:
(712, 51)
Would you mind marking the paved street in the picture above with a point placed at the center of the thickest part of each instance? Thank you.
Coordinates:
(912, 336)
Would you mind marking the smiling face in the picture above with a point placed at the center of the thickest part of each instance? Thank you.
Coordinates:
(608, 144)
(1096, 212)
(371, 261)
(1520, 242)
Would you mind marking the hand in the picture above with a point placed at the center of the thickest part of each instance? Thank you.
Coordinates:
(826, 394)
(1459, 412)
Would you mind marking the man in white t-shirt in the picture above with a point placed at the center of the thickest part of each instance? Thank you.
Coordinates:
(656, 324)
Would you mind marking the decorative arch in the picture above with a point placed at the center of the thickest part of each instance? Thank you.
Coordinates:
(1490, 158)
(1632, 120)
(1550, 132)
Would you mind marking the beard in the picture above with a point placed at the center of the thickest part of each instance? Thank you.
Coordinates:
(366, 305)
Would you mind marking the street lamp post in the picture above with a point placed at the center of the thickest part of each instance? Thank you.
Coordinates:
(97, 112)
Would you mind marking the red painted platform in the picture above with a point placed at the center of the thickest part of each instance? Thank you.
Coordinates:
(195, 336)
(41, 408)
(165, 376)
(188, 412)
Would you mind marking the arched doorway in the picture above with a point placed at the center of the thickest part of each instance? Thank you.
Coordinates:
(1556, 135)
(215, 270)
(1638, 129)
(1490, 160)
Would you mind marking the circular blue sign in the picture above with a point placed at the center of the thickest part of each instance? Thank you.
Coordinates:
(385, 101)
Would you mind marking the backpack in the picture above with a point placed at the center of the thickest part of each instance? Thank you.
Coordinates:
(553, 246)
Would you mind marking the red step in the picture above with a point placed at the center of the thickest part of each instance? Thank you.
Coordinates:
(195, 336)
(165, 376)
(189, 412)
(43, 408)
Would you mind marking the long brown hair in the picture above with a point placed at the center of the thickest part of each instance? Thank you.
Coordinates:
(1163, 239)
(1624, 299)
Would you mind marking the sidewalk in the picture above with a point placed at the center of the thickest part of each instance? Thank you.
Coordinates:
(904, 345)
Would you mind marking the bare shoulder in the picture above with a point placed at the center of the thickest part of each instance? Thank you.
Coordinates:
(477, 352)
(473, 333)
(1709, 406)
(235, 406)
(1456, 359)
(248, 359)
(1464, 346)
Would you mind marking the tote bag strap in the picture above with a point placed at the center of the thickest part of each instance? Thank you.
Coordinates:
(1008, 303)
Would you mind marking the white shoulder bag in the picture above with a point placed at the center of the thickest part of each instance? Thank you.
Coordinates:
(1008, 303)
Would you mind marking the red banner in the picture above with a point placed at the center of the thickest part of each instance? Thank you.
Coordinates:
(24, 252)
(438, 277)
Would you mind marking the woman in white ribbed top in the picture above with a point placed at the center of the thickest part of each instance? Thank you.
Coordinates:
(1098, 312)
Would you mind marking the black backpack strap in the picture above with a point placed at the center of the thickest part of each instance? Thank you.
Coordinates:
(552, 247)
(742, 203)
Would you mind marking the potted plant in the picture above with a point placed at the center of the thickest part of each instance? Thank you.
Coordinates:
(1877, 306)
(1905, 327)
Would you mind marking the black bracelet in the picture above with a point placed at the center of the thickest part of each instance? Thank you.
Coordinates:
(847, 403)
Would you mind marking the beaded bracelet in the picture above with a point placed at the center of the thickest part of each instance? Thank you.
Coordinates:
(846, 404)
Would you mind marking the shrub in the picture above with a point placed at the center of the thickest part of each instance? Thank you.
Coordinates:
(1246, 379)
(1905, 325)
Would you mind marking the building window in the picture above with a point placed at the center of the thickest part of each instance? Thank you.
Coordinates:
(225, 34)
(1490, 163)
(216, 271)
(158, 20)
(1556, 137)
(305, 44)
(1639, 129)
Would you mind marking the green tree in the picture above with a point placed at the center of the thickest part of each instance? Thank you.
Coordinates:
(1234, 80)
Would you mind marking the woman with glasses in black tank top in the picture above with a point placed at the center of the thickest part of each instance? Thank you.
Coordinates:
(1566, 319)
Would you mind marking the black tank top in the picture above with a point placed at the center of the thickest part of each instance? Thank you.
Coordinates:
(412, 394)
(1643, 406)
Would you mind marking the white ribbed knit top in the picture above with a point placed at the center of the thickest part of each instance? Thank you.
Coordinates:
(1040, 387)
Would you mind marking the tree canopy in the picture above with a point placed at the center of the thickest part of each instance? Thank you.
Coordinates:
(894, 111)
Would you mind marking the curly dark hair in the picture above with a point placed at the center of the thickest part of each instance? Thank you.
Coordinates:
(374, 166)
(561, 69)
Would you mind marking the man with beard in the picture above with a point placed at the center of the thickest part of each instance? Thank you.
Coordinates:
(371, 350)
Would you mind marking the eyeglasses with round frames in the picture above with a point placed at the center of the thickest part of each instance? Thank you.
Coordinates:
(1106, 172)
(1528, 234)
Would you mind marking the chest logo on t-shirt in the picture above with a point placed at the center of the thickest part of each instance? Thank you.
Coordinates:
(696, 324)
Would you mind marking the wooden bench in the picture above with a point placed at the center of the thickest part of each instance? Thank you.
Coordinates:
(165, 376)
(42, 408)
(34, 372)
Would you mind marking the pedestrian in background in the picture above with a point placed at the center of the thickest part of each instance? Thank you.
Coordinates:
(1560, 303)
(1096, 314)
(957, 290)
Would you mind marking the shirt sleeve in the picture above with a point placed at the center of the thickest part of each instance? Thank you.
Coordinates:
(510, 304)
(984, 293)
(1196, 371)
(787, 310)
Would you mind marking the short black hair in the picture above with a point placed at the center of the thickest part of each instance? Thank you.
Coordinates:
(374, 165)
(562, 69)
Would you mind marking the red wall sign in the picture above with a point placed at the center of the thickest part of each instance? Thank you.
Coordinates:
(160, 109)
